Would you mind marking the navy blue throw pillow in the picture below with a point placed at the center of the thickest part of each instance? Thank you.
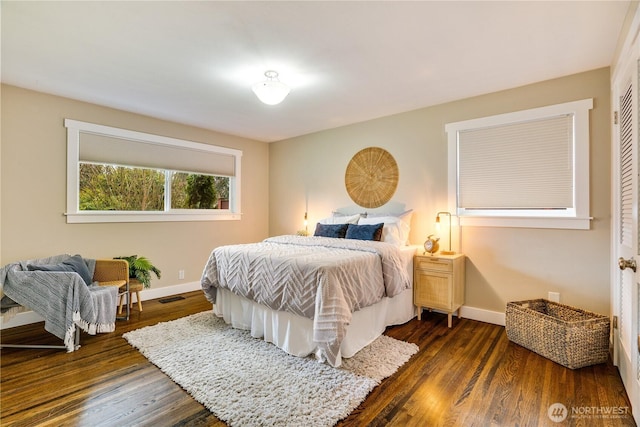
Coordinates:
(331, 230)
(74, 263)
(365, 232)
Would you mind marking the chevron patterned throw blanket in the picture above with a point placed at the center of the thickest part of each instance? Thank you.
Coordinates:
(320, 278)
(62, 298)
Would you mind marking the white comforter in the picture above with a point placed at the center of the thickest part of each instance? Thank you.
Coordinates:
(323, 279)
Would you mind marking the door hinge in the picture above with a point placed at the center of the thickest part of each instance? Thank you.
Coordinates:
(615, 117)
(615, 322)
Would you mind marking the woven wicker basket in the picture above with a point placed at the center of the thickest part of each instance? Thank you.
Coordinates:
(569, 336)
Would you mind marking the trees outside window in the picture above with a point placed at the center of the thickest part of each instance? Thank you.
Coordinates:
(105, 187)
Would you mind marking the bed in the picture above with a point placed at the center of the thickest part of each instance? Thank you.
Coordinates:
(329, 295)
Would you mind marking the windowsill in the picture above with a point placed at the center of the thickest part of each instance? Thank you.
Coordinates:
(527, 222)
(96, 217)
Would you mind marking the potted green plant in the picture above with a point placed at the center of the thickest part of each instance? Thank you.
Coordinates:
(140, 268)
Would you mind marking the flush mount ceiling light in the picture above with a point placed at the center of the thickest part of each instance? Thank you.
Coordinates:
(271, 91)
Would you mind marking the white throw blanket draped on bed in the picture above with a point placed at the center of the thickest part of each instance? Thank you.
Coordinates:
(323, 279)
(61, 298)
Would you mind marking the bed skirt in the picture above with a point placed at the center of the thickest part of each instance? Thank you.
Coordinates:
(294, 334)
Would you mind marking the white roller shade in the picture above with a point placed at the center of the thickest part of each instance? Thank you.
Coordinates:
(128, 152)
(526, 165)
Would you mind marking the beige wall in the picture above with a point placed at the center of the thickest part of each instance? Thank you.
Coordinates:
(33, 190)
(283, 179)
(504, 264)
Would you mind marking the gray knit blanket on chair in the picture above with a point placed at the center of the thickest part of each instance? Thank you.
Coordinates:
(62, 298)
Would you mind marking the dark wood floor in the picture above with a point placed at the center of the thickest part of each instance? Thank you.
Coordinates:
(470, 375)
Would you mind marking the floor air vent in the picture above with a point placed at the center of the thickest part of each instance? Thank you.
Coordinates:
(171, 299)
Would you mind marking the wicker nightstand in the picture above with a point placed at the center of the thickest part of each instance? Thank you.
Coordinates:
(438, 283)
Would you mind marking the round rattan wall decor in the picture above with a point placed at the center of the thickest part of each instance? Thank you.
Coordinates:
(371, 177)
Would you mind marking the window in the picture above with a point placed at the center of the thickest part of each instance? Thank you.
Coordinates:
(117, 175)
(524, 169)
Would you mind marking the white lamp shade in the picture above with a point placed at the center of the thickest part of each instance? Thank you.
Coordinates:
(271, 92)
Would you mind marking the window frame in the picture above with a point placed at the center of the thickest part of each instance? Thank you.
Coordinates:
(576, 217)
(75, 215)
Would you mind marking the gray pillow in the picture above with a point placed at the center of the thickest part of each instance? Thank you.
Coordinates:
(74, 263)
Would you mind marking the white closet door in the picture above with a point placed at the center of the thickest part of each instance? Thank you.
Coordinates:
(625, 293)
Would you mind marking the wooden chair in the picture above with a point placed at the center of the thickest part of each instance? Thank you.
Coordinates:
(114, 272)
(108, 272)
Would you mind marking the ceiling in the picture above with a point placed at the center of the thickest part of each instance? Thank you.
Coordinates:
(346, 62)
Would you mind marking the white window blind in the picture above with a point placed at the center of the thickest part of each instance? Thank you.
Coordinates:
(527, 168)
(517, 166)
(128, 152)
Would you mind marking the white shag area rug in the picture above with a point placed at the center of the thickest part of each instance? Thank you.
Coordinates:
(246, 381)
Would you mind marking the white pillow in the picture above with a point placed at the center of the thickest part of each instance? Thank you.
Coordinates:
(405, 216)
(396, 228)
(341, 219)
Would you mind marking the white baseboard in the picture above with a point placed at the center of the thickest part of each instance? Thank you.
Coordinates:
(29, 317)
(479, 314)
(166, 291)
(482, 315)
(20, 319)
